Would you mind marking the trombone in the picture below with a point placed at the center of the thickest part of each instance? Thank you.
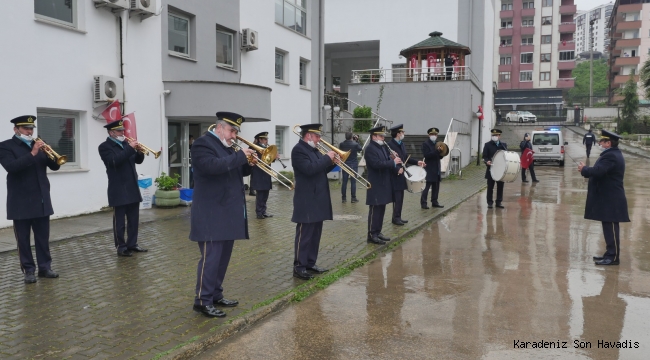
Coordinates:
(324, 147)
(47, 149)
(145, 149)
(264, 162)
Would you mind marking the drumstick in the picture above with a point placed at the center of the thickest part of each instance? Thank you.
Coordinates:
(422, 162)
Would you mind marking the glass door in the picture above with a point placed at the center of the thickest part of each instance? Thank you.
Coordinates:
(180, 135)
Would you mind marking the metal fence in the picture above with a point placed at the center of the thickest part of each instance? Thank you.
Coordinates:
(438, 73)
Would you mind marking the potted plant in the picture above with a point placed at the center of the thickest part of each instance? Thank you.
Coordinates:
(167, 194)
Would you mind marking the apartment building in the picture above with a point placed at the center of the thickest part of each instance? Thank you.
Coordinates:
(600, 16)
(629, 48)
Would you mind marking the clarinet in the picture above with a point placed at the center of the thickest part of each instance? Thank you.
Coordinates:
(394, 153)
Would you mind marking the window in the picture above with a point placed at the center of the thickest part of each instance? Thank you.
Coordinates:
(279, 138)
(545, 76)
(504, 77)
(506, 60)
(527, 41)
(547, 3)
(292, 14)
(179, 34)
(547, 20)
(526, 58)
(60, 130)
(529, 4)
(224, 48)
(545, 57)
(304, 72)
(527, 23)
(279, 66)
(566, 55)
(506, 41)
(526, 76)
(546, 39)
(506, 24)
(62, 12)
(506, 7)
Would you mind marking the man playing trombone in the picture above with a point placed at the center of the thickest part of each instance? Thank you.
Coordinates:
(261, 181)
(120, 155)
(28, 196)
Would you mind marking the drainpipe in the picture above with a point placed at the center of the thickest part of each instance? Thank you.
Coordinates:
(124, 20)
(163, 132)
(321, 59)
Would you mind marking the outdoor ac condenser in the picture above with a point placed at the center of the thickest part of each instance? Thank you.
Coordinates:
(249, 39)
(144, 8)
(107, 88)
(115, 4)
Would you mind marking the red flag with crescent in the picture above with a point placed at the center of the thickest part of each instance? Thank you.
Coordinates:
(113, 112)
(526, 158)
(130, 129)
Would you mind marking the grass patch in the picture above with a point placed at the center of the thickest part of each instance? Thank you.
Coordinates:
(175, 347)
(324, 281)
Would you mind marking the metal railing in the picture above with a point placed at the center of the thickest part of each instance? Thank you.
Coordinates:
(436, 73)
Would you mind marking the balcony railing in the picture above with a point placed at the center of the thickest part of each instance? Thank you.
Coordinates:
(436, 73)
(568, 9)
(568, 27)
(566, 45)
(564, 83)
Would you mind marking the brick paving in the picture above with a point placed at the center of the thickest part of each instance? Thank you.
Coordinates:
(105, 307)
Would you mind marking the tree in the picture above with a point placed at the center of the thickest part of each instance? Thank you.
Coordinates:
(580, 91)
(645, 78)
(630, 105)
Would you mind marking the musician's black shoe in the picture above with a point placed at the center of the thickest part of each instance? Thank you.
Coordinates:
(261, 217)
(598, 258)
(398, 222)
(607, 262)
(383, 237)
(252, 193)
(375, 240)
(209, 311)
(500, 206)
(437, 206)
(267, 215)
(304, 275)
(137, 248)
(125, 252)
(404, 221)
(317, 269)
(424, 206)
(344, 200)
(524, 180)
(490, 206)
(30, 278)
(535, 180)
(225, 302)
(48, 274)
(354, 200)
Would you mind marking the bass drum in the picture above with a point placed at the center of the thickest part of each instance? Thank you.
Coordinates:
(417, 181)
(505, 166)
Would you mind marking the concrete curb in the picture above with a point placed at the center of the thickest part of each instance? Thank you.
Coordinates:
(248, 319)
(624, 148)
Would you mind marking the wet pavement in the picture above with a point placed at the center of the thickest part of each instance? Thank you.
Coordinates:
(484, 283)
(105, 307)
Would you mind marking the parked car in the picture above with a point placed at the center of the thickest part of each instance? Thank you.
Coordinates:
(521, 116)
(548, 145)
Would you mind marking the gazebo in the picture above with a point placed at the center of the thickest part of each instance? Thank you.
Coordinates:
(445, 59)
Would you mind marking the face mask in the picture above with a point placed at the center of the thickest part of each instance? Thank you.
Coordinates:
(311, 143)
(26, 137)
(225, 143)
(495, 138)
(120, 138)
(400, 137)
(433, 137)
(380, 142)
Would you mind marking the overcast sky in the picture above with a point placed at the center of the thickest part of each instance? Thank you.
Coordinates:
(589, 4)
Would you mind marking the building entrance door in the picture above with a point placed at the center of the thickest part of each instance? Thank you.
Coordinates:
(180, 134)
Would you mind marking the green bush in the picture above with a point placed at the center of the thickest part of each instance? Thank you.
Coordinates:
(599, 126)
(362, 112)
(287, 174)
(166, 182)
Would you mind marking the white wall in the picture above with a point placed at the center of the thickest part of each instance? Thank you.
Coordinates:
(53, 67)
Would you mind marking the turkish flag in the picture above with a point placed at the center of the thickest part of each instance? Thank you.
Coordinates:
(113, 112)
(414, 61)
(526, 158)
(130, 129)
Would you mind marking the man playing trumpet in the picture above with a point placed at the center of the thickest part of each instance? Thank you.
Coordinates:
(120, 156)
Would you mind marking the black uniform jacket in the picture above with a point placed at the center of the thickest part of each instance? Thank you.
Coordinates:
(489, 150)
(605, 193)
(259, 179)
(311, 197)
(589, 139)
(380, 170)
(218, 203)
(28, 189)
(432, 159)
(354, 149)
(120, 168)
(399, 181)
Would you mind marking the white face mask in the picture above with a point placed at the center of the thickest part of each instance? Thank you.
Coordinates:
(311, 143)
(380, 142)
(433, 137)
(120, 138)
(26, 137)
(399, 137)
(495, 138)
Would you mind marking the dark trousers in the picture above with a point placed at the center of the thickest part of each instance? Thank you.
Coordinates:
(41, 228)
(531, 169)
(261, 196)
(435, 189)
(611, 231)
(353, 183)
(306, 245)
(211, 270)
(490, 190)
(398, 202)
(132, 214)
(588, 150)
(375, 218)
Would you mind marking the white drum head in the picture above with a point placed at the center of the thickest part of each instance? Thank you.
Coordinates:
(417, 173)
(498, 168)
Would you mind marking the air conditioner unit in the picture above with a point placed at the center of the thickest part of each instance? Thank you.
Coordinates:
(115, 4)
(107, 88)
(144, 8)
(249, 40)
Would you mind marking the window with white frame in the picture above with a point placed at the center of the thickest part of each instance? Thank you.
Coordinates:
(546, 3)
(63, 12)
(60, 130)
(178, 34)
(506, 60)
(527, 41)
(544, 76)
(281, 61)
(545, 57)
(504, 76)
(506, 24)
(506, 7)
(304, 73)
(527, 22)
(566, 55)
(280, 132)
(526, 58)
(546, 39)
(292, 14)
(529, 4)
(547, 20)
(225, 48)
(525, 76)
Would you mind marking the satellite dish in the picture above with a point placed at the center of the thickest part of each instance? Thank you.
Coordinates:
(110, 89)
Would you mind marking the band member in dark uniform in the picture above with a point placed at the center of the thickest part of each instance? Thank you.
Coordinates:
(588, 140)
(432, 158)
(398, 179)
(491, 147)
(525, 144)
(381, 166)
(218, 216)
(311, 199)
(351, 144)
(119, 157)
(261, 181)
(28, 196)
(606, 201)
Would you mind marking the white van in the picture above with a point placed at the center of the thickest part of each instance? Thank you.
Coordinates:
(548, 145)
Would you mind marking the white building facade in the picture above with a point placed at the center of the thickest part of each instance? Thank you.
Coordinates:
(600, 15)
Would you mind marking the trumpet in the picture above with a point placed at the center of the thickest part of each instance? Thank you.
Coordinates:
(324, 147)
(47, 149)
(264, 162)
(145, 149)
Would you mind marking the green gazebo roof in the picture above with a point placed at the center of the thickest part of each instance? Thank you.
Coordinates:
(435, 41)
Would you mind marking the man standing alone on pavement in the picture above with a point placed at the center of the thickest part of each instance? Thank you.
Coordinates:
(350, 144)
(588, 140)
(606, 201)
